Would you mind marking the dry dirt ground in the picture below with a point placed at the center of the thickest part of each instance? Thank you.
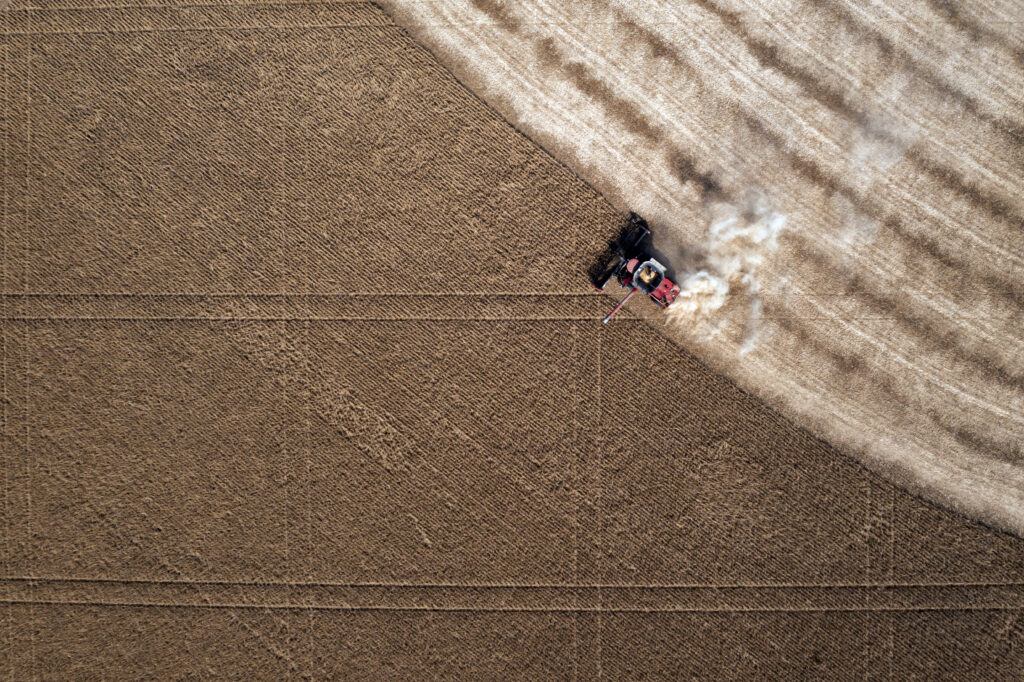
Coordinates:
(841, 181)
(301, 379)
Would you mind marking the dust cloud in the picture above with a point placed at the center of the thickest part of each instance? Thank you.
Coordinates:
(739, 238)
(843, 184)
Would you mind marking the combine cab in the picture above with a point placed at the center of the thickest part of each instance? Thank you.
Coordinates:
(636, 265)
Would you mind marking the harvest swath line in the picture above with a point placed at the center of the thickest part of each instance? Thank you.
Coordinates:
(516, 586)
(210, 29)
(3, 427)
(186, 318)
(353, 294)
(254, 5)
(309, 319)
(526, 609)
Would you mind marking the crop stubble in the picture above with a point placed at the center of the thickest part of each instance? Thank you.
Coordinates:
(299, 380)
(889, 137)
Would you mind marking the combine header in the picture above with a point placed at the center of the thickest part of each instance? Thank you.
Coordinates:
(634, 264)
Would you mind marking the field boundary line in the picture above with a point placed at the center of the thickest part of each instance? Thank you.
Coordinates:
(207, 29)
(230, 5)
(576, 493)
(29, 166)
(351, 294)
(164, 318)
(303, 294)
(599, 502)
(498, 609)
(341, 3)
(513, 586)
(6, 414)
(185, 318)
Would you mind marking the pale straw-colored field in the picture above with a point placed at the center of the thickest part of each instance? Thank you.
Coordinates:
(839, 184)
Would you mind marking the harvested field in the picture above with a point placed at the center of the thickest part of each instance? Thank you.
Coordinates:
(300, 380)
(842, 182)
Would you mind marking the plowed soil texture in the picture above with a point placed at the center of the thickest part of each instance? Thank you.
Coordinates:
(838, 184)
(301, 379)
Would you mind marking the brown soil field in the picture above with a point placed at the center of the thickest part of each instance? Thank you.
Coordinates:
(302, 379)
(840, 181)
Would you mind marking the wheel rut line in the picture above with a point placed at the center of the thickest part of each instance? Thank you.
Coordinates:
(187, 582)
(227, 5)
(239, 606)
(357, 294)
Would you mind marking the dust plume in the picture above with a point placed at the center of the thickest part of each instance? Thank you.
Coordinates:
(871, 286)
(740, 237)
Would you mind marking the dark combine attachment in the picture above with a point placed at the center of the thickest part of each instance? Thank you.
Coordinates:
(635, 263)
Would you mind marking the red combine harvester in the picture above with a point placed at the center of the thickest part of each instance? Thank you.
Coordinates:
(634, 263)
